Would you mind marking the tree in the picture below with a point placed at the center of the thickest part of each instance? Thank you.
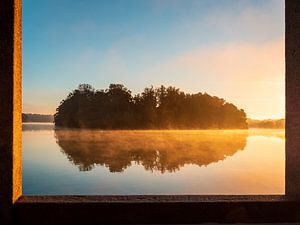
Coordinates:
(146, 108)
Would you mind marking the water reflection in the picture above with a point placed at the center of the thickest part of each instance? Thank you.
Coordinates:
(37, 126)
(164, 151)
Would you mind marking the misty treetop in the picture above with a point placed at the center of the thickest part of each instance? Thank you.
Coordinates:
(154, 108)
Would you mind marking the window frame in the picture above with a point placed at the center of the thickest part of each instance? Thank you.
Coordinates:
(133, 209)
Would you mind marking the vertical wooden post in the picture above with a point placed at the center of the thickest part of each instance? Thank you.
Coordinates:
(292, 55)
(10, 106)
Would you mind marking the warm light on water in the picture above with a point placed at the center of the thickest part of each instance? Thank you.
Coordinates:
(152, 162)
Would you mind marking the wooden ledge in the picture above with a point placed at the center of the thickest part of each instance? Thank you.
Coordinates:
(149, 198)
(156, 209)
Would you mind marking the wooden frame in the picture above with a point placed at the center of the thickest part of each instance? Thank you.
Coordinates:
(15, 208)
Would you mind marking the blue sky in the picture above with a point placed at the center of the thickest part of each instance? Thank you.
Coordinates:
(230, 48)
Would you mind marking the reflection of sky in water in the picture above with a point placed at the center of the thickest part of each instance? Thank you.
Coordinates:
(258, 169)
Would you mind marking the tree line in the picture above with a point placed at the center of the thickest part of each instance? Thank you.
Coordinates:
(154, 108)
(272, 124)
(36, 118)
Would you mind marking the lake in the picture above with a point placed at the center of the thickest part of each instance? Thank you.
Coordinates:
(204, 162)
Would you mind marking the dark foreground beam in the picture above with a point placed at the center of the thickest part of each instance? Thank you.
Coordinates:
(10, 107)
(292, 54)
(155, 209)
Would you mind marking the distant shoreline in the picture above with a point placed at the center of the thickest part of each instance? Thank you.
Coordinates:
(266, 124)
(252, 124)
(32, 118)
(37, 118)
(38, 123)
(51, 125)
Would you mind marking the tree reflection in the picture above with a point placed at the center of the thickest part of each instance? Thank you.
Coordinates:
(164, 151)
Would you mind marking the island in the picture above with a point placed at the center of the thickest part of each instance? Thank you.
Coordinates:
(155, 108)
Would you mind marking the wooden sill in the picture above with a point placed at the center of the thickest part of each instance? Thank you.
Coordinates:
(156, 209)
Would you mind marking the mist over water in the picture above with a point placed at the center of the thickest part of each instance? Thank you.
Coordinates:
(60, 161)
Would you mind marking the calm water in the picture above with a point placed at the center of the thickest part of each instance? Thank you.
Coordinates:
(152, 162)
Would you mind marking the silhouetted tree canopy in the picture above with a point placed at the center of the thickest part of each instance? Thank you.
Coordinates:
(154, 108)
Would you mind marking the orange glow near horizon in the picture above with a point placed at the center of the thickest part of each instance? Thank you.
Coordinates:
(250, 76)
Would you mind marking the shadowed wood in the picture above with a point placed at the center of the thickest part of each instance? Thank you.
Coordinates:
(165, 209)
(292, 54)
(10, 106)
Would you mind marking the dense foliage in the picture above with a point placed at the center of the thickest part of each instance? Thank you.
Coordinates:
(160, 108)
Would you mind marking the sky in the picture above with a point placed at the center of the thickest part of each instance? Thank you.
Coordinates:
(233, 49)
